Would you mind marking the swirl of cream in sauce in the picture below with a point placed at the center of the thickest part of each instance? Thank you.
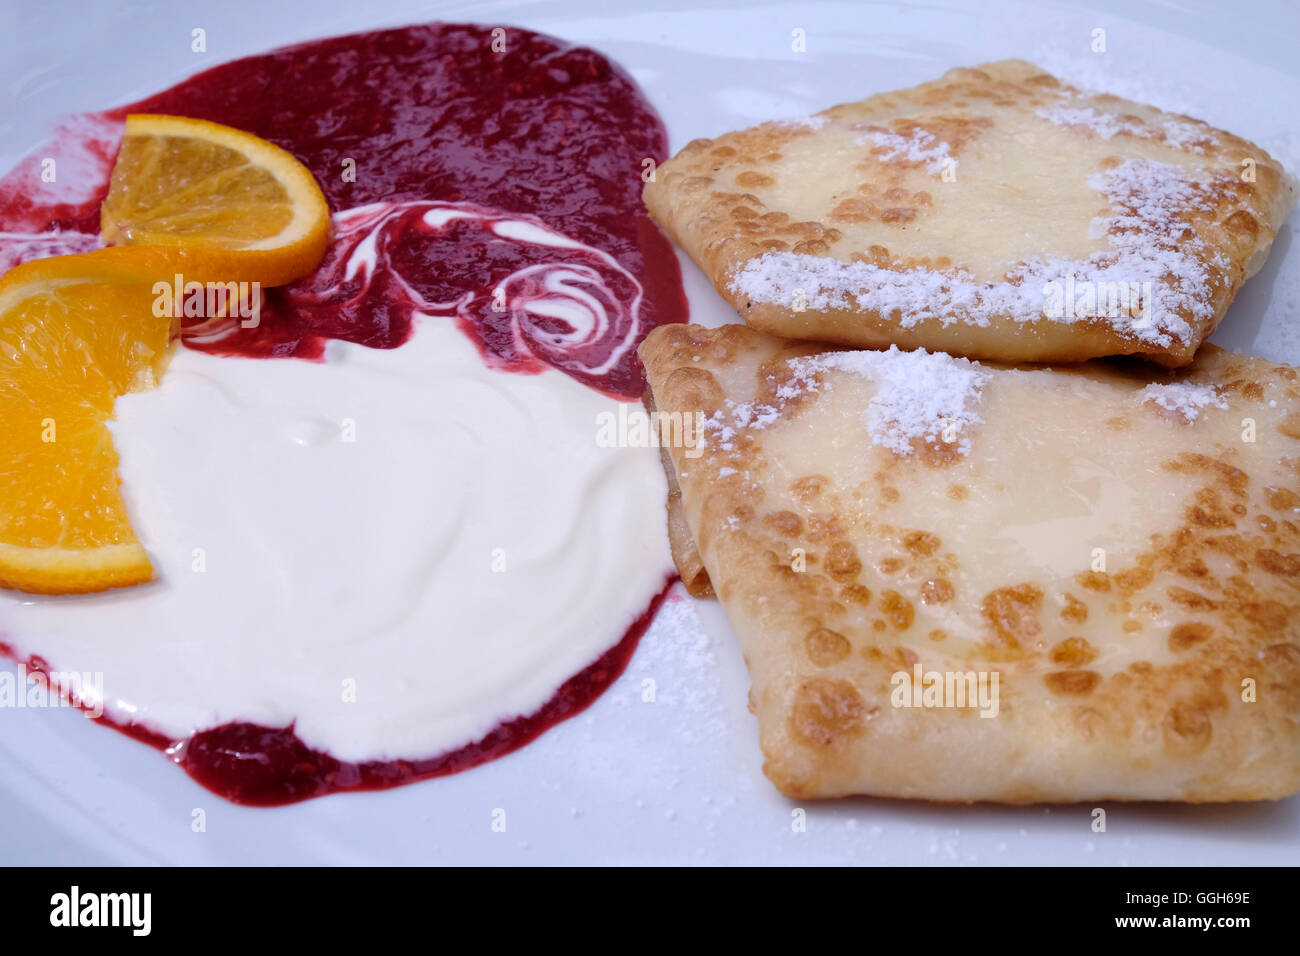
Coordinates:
(576, 310)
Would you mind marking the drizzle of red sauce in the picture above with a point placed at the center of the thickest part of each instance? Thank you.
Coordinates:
(545, 132)
(283, 769)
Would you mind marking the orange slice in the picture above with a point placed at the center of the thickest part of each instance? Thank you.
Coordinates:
(75, 333)
(244, 208)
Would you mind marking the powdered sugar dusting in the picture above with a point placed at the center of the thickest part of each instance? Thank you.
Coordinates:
(1179, 134)
(918, 146)
(930, 397)
(805, 122)
(1190, 136)
(1104, 125)
(1183, 398)
(1149, 202)
(926, 396)
(751, 415)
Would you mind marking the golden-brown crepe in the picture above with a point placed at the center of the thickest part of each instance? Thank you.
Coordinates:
(1106, 566)
(996, 213)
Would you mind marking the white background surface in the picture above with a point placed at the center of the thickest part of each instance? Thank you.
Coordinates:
(678, 780)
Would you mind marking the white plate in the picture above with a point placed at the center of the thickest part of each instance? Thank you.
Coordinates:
(677, 780)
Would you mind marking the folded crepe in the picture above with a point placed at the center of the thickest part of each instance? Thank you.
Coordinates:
(962, 582)
(997, 213)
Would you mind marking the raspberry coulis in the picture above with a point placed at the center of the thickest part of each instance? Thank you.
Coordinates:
(501, 190)
(270, 766)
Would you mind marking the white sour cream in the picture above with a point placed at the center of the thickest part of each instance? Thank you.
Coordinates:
(394, 551)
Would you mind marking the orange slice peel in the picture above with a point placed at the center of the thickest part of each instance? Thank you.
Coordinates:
(245, 209)
(75, 333)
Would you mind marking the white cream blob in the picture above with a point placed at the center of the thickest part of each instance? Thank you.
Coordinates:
(394, 550)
